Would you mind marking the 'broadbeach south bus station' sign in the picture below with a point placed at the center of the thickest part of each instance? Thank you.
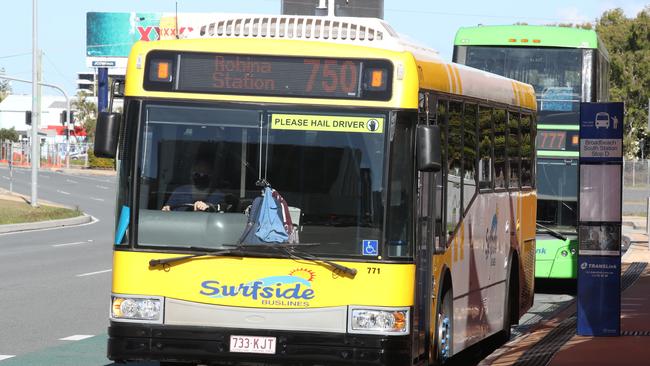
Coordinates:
(601, 132)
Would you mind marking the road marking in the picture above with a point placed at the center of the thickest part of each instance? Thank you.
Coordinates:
(63, 192)
(76, 337)
(71, 181)
(75, 243)
(97, 199)
(102, 187)
(93, 273)
(3, 177)
(4, 357)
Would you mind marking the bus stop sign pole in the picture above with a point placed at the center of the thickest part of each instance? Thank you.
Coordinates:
(599, 223)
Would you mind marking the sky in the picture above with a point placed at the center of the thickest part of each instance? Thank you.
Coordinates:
(62, 25)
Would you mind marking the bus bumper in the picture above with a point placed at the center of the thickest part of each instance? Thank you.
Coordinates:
(207, 345)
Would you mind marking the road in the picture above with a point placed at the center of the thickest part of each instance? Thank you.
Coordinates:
(55, 284)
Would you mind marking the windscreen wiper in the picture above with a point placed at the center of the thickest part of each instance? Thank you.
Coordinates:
(292, 251)
(164, 261)
(554, 233)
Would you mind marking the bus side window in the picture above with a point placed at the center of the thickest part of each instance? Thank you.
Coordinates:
(454, 165)
(486, 143)
(513, 149)
(527, 152)
(470, 143)
(441, 118)
(499, 148)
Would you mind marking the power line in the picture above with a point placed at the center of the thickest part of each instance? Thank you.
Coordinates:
(16, 55)
(516, 17)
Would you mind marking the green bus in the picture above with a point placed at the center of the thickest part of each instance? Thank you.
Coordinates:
(566, 66)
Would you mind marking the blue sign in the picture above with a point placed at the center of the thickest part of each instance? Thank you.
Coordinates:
(370, 247)
(601, 132)
(599, 296)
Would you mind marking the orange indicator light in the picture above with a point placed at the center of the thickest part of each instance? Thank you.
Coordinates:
(377, 78)
(524, 40)
(163, 70)
(574, 140)
(537, 41)
(512, 40)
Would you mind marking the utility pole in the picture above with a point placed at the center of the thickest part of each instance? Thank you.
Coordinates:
(36, 107)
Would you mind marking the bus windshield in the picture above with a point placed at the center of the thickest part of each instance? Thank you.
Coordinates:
(557, 193)
(332, 180)
(554, 73)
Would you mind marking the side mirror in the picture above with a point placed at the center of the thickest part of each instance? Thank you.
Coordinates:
(429, 148)
(106, 134)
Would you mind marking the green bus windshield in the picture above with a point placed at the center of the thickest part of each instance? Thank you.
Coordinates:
(554, 73)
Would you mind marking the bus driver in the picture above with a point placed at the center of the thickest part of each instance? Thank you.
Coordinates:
(201, 194)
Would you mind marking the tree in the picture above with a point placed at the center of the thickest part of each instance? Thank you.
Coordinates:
(86, 113)
(628, 43)
(5, 87)
(8, 135)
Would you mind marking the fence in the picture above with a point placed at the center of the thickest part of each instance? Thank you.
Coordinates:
(52, 154)
(636, 173)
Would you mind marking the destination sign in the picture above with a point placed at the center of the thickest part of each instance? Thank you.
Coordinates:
(271, 75)
(557, 140)
(310, 122)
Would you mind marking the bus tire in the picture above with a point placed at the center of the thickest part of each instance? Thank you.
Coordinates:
(444, 327)
(511, 304)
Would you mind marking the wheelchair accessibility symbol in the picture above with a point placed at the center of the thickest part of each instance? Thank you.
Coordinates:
(370, 247)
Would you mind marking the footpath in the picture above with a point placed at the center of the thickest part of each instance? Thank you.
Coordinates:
(554, 342)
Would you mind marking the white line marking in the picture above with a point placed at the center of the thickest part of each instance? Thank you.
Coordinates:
(76, 337)
(75, 243)
(71, 181)
(63, 192)
(93, 273)
(4, 357)
(102, 187)
(97, 199)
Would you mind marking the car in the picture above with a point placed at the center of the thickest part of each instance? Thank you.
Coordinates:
(602, 120)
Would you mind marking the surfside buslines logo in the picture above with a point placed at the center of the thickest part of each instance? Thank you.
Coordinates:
(292, 290)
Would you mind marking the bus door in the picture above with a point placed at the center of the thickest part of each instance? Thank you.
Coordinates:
(426, 209)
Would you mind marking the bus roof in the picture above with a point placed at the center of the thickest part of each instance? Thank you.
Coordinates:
(526, 35)
(341, 37)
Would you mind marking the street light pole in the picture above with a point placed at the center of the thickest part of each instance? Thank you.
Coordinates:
(36, 108)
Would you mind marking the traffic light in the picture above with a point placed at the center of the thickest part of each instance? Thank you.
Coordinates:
(28, 118)
(63, 117)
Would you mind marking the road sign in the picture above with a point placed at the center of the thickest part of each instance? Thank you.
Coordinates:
(601, 132)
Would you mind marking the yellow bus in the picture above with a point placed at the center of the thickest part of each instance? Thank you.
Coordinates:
(313, 190)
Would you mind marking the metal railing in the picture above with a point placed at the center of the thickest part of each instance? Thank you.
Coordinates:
(52, 154)
(636, 173)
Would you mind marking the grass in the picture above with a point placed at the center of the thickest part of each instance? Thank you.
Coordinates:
(12, 212)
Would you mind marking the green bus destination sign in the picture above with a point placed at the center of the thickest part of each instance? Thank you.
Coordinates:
(268, 75)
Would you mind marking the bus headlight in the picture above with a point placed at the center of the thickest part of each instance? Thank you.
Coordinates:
(369, 320)
(145, 309)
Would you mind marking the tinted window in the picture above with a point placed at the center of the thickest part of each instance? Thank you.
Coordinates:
(470, 142)
(527, 151)
(454, 164)
(513, 149)
(485, 147)
(500, 148)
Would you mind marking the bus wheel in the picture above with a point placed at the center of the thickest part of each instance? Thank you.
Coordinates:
(444, 336)
(511, 305)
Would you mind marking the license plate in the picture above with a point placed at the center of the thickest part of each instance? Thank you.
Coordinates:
(249, 344)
